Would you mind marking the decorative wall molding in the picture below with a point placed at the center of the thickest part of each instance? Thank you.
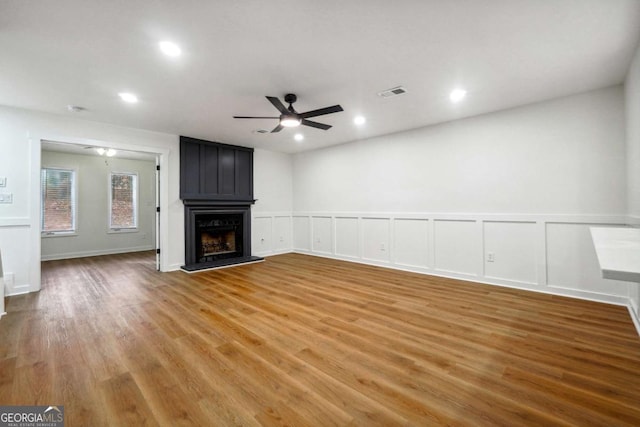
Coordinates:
(271, 233)
(14, 222)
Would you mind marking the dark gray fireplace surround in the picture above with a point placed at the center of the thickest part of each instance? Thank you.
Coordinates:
(216, 188)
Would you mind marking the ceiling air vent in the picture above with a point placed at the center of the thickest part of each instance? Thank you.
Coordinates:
(392, 92)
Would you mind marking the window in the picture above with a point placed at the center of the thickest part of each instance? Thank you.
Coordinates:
(123, 203)
(58, 201)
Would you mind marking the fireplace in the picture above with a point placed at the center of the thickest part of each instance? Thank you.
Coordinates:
(217, 235)
(216, 188)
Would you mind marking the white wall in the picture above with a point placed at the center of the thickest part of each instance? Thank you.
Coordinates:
(563, 156)
(271, 231)
(521, 186)
(93, 236)
(632, 98)
(272, 181)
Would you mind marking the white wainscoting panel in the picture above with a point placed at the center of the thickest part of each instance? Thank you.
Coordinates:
(573, 263)
(376, 239)
(16, 257)
(322, 235)
(261, 235)
(271, 233)
(513, 248)
(347, 237)
(302, 233)
(457, 244)
(281, 234)
(411, 242)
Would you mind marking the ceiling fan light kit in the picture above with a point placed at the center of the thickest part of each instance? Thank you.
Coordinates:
(290, 121)
(109, 152)
(289, 117)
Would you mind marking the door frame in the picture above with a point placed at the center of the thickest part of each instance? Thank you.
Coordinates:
(162, 156)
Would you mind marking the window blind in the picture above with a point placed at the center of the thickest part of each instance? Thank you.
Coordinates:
(123, 201)
(58, 200)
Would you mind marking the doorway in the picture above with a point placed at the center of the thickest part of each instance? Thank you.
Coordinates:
(109, 201)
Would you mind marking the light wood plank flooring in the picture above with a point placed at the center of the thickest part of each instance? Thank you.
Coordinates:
(299, 340)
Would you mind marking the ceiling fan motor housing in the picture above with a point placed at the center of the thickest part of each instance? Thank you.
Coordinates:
(290, 98)
(291, 119)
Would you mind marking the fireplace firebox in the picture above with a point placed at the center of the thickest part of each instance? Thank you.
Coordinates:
(217, 235)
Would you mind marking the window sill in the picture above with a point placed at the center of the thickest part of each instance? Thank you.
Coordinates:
(122, 230)
(58, 234)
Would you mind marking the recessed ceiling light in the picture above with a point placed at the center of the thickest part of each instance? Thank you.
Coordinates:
(359, 120)
(298, 137)
(170, 48)
(100, 151)
(128, 97)
(111, 152)
(457, 95)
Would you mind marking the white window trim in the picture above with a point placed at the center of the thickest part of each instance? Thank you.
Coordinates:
(122, 230)
(48, 234)
(136, 195)
(74, 195)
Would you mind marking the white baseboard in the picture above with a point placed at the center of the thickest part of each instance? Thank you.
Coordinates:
(633, 220)
(275, 252)
(172, 267)
(19, 290)
(634, 306)
(634, 316)
(83, 254)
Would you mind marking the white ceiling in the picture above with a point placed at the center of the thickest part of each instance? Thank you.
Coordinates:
(504, 52)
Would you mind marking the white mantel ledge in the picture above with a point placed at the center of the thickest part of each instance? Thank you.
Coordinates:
(618, 250)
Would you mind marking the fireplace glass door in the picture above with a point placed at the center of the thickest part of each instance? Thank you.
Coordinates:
(218, 236)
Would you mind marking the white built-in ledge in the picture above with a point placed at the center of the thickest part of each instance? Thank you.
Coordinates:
(618, 252)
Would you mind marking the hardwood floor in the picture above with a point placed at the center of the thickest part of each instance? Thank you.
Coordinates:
(299, 340)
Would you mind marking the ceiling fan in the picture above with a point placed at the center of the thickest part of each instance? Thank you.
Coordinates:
(291, 118)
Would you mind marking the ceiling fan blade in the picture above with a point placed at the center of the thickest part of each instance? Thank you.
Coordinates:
(321, 111)
(251, 117)
(276, 103)
(277, 128)
(316, 124)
